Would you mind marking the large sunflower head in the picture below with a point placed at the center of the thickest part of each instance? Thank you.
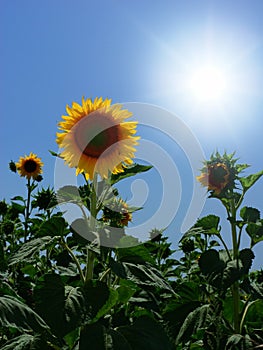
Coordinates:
(95, 137)
(219, 173)
(30, 166)
(215, 178)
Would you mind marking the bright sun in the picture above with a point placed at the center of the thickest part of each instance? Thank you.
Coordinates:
(208, 84)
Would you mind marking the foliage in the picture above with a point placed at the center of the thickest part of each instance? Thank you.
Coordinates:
(60, 291)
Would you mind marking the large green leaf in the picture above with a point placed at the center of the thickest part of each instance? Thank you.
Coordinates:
(99, 298)
(55, 226)
(129, 171)
(249, 181)
(144, 275)
(26, 253)
(49, 295)
(144, 334)
(14, 313)
(74, 306)
(196, 320)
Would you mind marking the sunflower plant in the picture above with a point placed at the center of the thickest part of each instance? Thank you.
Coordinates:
(63, 290)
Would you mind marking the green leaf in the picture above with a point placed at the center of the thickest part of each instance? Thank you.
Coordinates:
(125, 293)
(254, 315)
(196, 320)
(69, 193)
(129, 171)
(74, 306)
(55, 226)
(18, 198)
(209, 224)
(22, 342)
(94, 337)
(98, 298)
(54, 153)
(210, 262)
(28, 342)
(238, 341)
(250, 180)
(146, 276)
(145, 333)
(49, 295)
(111, 301)
(18, 207)
(255, 231)
(136, 253)
(28, 250)
(249, 214)
(16, 314)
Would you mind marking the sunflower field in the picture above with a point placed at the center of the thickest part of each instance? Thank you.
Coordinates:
(90, 286)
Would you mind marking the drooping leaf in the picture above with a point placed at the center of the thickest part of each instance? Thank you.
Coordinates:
(16, 314)
(26, 253)
(129, 171)
(250, 180)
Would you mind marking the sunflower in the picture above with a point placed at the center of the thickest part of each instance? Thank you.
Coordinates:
(216, 177)
(29, 166)
(117, 213)
(95, 138)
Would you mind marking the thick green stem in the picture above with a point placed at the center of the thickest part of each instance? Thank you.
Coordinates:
(92, 226)
(235, 287)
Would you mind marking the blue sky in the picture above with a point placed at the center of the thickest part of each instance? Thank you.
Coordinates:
(54, 52)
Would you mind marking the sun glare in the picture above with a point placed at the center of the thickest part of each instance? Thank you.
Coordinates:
(208, 84)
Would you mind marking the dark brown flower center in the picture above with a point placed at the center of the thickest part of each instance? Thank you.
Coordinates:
(217, 175)
(30, 166)
(95, 134)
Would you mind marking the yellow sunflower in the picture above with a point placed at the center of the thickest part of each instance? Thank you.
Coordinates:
(29, 166)
(95, 137)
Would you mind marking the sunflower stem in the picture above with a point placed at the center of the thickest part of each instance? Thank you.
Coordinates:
(64, 244)
(235, 287)
(27, 213)
(93, 216)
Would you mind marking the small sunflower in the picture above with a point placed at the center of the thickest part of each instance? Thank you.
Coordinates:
(29, 166)
(96, 138)
(215, 177)
(117, 213)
